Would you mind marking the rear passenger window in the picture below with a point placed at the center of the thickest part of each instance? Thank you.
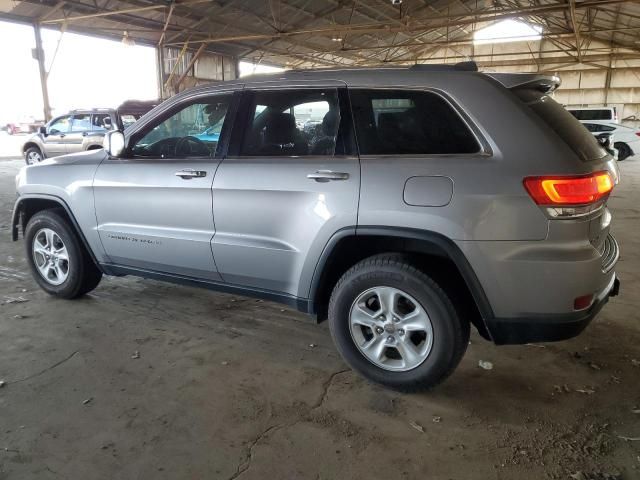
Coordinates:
(101, 122)
(406, 122)
(292, 123)
(81, 123)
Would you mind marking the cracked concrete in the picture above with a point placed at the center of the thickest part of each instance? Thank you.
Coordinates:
(42, 372)
(228, 387)
(245, 463)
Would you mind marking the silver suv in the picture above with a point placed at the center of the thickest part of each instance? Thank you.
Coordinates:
(77, 131)
(403, 204)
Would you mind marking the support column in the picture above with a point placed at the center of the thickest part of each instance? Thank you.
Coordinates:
(607, 83)
(160, 70)
(236, 64)
(39, 56)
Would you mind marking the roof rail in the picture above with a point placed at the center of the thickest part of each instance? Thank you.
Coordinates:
(470, 66)
(85, 110)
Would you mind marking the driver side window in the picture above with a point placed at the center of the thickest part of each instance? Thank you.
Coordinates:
(60, 125)
(193, 131)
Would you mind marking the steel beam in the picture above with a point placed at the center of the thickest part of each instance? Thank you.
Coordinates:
(435, 21)
(108, 13)
(189, 66)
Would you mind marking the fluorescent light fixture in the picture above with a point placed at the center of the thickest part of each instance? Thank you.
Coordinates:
(507, 31)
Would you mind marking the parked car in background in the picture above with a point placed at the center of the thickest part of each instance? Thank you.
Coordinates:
(74, 132)
(131, 110)
(609, 114)
(625, 139)
(370, 234)
(28, 126)
(81, 130)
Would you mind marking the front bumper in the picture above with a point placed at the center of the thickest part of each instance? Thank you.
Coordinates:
(549, 328)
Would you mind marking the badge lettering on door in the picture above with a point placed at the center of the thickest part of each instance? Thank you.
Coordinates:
(128, 238)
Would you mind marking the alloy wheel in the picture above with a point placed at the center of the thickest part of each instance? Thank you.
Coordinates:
(50, 256)
(391, 329)
(34, 157)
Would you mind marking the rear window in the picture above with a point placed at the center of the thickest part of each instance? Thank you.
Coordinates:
(599, 114)
(408, 122)
(572, 132)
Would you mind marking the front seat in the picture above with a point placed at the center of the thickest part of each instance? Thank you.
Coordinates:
(281, 137)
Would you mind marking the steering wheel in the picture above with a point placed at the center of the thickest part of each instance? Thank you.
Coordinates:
(190, 141)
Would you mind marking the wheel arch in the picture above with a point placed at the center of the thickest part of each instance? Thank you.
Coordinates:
(28, 205)
(31, 144)
(432, 252)
(94, 146)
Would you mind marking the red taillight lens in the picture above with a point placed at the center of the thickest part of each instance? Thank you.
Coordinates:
(638, 134)
(569, 190)
(583, 302)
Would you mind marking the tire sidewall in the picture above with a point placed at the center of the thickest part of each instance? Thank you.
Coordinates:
(441, 313)
(52, 221)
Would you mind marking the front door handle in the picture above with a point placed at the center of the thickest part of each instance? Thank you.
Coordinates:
(327, 176)
(188, 174)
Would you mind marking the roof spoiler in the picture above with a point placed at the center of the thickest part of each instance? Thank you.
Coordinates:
(436, 67)
(533, 81)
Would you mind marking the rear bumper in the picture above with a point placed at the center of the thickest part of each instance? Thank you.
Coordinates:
(549, 328)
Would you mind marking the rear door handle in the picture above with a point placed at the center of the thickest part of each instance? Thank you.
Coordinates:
(188, 174)
(327, 175)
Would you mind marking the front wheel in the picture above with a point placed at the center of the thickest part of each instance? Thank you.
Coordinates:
(58, 261)
(395, 326)
(33, 156)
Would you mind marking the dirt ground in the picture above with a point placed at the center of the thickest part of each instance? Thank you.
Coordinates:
(227, 387)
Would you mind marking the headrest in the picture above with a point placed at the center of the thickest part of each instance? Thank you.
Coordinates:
(280, 128)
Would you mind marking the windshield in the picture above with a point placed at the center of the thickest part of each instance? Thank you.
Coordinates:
(572, 132)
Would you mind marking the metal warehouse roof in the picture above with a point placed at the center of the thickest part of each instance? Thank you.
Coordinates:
(307, 33)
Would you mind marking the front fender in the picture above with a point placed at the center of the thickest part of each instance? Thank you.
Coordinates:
(41, 202)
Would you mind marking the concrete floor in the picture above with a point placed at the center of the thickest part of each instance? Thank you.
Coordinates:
(227, 387)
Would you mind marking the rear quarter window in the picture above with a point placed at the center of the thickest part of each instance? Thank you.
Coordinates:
(409, 122)
(563, 123)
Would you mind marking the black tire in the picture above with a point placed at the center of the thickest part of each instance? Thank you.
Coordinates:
(30, 153)
(450, 333)
(624, 151)
(83, 275)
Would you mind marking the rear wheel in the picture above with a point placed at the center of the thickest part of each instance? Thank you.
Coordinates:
(394, 325)
(58, 261)
(33, 155)
(624, 151)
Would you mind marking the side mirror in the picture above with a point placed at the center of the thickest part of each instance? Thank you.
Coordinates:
(113, 143)
(42, 130)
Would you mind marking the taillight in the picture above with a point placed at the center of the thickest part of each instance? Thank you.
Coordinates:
(638, 134)
(583, 302)
(578, 192)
